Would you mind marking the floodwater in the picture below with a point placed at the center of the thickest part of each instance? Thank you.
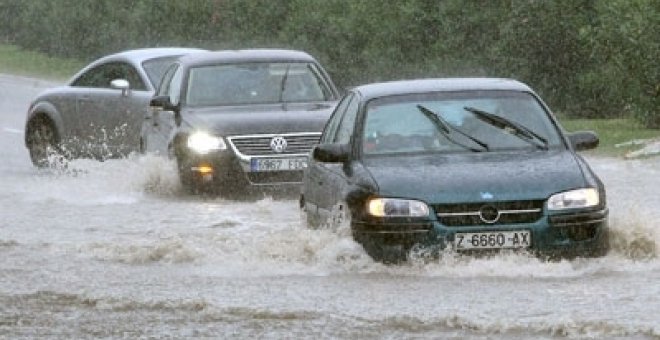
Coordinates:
(114, 250)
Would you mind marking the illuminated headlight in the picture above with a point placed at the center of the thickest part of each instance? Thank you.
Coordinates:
(392, 207)
(580, 198)
(202, 143)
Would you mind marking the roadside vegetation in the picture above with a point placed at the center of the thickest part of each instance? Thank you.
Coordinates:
(618, 136)
(14, 60)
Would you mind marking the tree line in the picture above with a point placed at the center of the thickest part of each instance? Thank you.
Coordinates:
(587, 58)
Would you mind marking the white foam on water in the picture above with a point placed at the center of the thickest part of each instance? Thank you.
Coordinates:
(89, 182)
(268, 237)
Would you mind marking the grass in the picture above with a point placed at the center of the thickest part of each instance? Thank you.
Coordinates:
(612, 132)
(14, 60)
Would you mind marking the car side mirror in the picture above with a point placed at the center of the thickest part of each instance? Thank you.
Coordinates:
(331, 153)
(583, 140)
(121, 84)
(161, 103)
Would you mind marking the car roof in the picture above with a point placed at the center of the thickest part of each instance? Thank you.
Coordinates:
(137, 56)
(402, 87)
(246, 55)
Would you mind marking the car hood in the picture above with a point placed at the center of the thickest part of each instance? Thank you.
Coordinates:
(260, 119)
(477, 177)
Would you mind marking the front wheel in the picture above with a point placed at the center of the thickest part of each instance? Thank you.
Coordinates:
(383, 249)
(42, 143)
(186, 177)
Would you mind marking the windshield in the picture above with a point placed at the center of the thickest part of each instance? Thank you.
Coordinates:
(406, 124)
(155, 68)
(254, 83)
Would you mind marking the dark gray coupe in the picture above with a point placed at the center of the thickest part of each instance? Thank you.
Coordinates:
(98, 113)
(236, 120)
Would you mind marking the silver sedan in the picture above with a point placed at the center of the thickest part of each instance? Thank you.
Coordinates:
(98, 113)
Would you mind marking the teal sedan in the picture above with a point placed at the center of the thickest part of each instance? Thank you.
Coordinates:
(477, 165)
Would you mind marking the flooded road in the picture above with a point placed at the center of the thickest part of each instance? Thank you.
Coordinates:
(114, 250)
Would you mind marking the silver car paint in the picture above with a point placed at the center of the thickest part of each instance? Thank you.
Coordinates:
(101, 121)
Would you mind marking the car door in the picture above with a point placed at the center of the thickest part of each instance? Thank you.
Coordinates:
(333, 174)
(315, 183)
(107, 120)
(133, 106)
(159, 125)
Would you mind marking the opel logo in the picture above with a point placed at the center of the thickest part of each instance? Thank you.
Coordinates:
(278, 144)
(487, 195)
(489, 214)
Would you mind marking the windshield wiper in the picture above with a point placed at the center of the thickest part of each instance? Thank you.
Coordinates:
(445, 129)
(283, 83)
(511, 127)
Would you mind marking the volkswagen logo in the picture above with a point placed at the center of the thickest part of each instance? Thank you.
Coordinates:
(278, 144)
(489, 214)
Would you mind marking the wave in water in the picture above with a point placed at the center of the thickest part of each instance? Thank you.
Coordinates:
(37, 310)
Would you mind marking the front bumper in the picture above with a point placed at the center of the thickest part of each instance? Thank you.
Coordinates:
(262, 161)
(570, 234)
(226, 169)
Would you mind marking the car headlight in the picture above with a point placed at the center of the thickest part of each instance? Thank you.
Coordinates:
(393, 207)
(202, 143)
(580, 198)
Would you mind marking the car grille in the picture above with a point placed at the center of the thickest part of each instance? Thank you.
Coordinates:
(579, 219)
(259, 145)
(489, 213)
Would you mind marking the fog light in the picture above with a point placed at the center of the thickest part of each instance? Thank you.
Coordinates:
(203, 169)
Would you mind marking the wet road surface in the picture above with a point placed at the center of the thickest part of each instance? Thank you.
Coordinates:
(114, 250)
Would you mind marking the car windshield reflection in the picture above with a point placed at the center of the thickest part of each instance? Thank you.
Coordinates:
(254, 83)
(395, 124)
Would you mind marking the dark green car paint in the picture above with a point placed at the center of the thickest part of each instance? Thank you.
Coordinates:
(340, 175)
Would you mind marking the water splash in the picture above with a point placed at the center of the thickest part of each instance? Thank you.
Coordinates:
(634, 238)
(169, 251)
(116, 181)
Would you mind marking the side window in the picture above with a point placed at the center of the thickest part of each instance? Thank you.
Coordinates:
(164, 86)
(174, 91)
(171, 84)
(321, 82)
(333, 123)
(94, 77)
(347, 125)
(101, 76)
(129, 73)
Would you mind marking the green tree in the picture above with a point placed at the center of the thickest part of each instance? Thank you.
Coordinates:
(627, 44)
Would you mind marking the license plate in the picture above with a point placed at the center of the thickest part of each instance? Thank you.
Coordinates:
(493, 240)
(278, 164)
